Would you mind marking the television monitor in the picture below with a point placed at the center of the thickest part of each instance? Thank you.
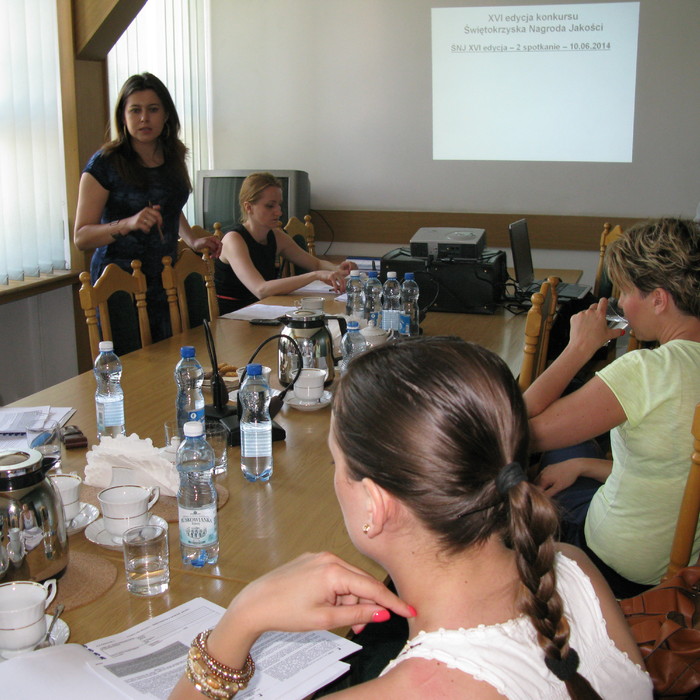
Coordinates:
(216, 196)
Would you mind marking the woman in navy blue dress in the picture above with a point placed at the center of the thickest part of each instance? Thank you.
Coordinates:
(133, 190)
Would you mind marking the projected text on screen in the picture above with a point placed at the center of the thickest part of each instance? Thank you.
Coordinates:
(535, 82)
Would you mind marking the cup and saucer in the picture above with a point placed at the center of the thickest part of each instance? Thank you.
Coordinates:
(59, 635)
(308, 393)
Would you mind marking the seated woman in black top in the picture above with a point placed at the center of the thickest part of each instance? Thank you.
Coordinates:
(246, 271)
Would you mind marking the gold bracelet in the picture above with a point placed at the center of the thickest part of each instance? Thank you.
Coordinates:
(212, 678)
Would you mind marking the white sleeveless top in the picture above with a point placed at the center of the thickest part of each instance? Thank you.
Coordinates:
(508, 657)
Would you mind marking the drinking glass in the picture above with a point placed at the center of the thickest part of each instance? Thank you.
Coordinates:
(45, 436)
(146, 560)
(614, 315)
(217, 437)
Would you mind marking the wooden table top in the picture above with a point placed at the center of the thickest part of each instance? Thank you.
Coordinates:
(262, 525)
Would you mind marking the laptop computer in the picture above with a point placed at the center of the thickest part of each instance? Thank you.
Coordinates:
(524, 271)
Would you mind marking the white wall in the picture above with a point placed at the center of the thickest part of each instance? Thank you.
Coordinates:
(37, 343)
(342, 89)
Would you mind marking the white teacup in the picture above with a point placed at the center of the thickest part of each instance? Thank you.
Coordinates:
(374, 335)
(308, 388)
(126, 506)
(22, 606)
(310, 304)
(68, 486)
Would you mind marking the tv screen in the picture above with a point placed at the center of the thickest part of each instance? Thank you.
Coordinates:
(216, 196)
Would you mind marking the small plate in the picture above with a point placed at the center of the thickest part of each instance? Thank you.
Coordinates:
(230, 382)
(96, 532)
(59, 635)
(300, 405)
(88, 514)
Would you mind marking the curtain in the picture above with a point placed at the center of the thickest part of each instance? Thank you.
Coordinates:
(33, 208)
(168, 38)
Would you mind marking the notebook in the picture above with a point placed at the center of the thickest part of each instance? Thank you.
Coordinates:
(524, 271)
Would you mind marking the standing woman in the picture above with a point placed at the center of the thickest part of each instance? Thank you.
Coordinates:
(132, 192)
(246, 270)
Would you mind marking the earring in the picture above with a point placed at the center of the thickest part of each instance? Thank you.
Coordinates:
(366, 527)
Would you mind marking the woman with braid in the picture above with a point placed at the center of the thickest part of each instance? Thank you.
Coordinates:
(427, 437)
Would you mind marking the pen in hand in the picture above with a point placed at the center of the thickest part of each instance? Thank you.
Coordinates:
(160, 230)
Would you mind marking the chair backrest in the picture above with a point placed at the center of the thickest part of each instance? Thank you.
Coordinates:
(602, 285)
(115, 308)
(538, 326)
(189, 287)
(687, 524)
(304, 236)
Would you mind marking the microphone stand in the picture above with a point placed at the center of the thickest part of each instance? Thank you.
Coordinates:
(228, 414)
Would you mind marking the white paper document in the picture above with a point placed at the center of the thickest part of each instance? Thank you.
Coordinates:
(147, 660)
(14, 422)
(248, 313)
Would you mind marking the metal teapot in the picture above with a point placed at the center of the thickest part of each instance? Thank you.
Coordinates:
(310, 331)
(33, 538)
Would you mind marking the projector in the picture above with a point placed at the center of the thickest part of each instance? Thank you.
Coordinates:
(453, 243)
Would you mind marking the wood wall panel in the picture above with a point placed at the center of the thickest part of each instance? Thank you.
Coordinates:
(546, 231)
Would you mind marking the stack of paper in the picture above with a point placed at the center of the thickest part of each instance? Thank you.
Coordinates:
(14, 422)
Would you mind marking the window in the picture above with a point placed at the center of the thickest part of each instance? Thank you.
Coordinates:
(168, 38)
(33, 209)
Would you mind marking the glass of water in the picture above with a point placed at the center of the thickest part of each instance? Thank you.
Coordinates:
(45, 436)
(146, 560)
(614, 315)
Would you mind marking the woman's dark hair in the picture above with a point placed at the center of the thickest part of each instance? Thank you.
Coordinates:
(120, 148)
(434, 421)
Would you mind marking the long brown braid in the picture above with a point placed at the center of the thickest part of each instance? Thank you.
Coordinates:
(453, 412)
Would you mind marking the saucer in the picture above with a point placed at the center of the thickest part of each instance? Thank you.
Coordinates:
(88, 514)
(96, 532)
(300, 405)
(59, 635)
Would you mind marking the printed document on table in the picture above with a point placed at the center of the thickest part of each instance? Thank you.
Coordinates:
(147, 660)
(14, 422)
(150, 657)
(248, 313)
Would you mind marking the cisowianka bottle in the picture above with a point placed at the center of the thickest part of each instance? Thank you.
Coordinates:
(109, 396)
(255, 426)
(391, 303)
(196, 498)
(189, 377)
(373, 298)
(409, 320)
(355, 293)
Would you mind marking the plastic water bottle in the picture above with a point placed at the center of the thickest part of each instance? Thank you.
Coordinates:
(391, 303)
(373, 298)
(109, 397)
(355, 292)
(189, 376)
(256, 426)
(409, 321)
(352, 344)
(196, 498)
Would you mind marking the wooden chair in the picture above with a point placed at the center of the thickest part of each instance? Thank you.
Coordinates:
(538, 326)
(602, 285)
(115, 308)
(687, 524)
(199, 232)
(304, 236)
(189, 287)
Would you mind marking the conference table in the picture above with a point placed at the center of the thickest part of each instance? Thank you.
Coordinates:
(261, 525)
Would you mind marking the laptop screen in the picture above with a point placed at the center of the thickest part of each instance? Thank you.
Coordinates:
(522, 255)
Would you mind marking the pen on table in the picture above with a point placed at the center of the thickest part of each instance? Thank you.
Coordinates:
(160, 230)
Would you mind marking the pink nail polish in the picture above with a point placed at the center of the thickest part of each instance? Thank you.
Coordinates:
(380, 616)
(412, 612)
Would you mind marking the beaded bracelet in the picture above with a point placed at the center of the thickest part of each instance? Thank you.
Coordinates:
(212, 678)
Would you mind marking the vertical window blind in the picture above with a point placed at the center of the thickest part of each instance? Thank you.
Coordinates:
(168, 38)
(33, 209)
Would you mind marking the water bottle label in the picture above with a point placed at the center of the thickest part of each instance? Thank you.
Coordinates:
(390, 320)
(196, 414)
(110, 413)
(405, 324)
(198, 526)
(374, 317)
(256, 442)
